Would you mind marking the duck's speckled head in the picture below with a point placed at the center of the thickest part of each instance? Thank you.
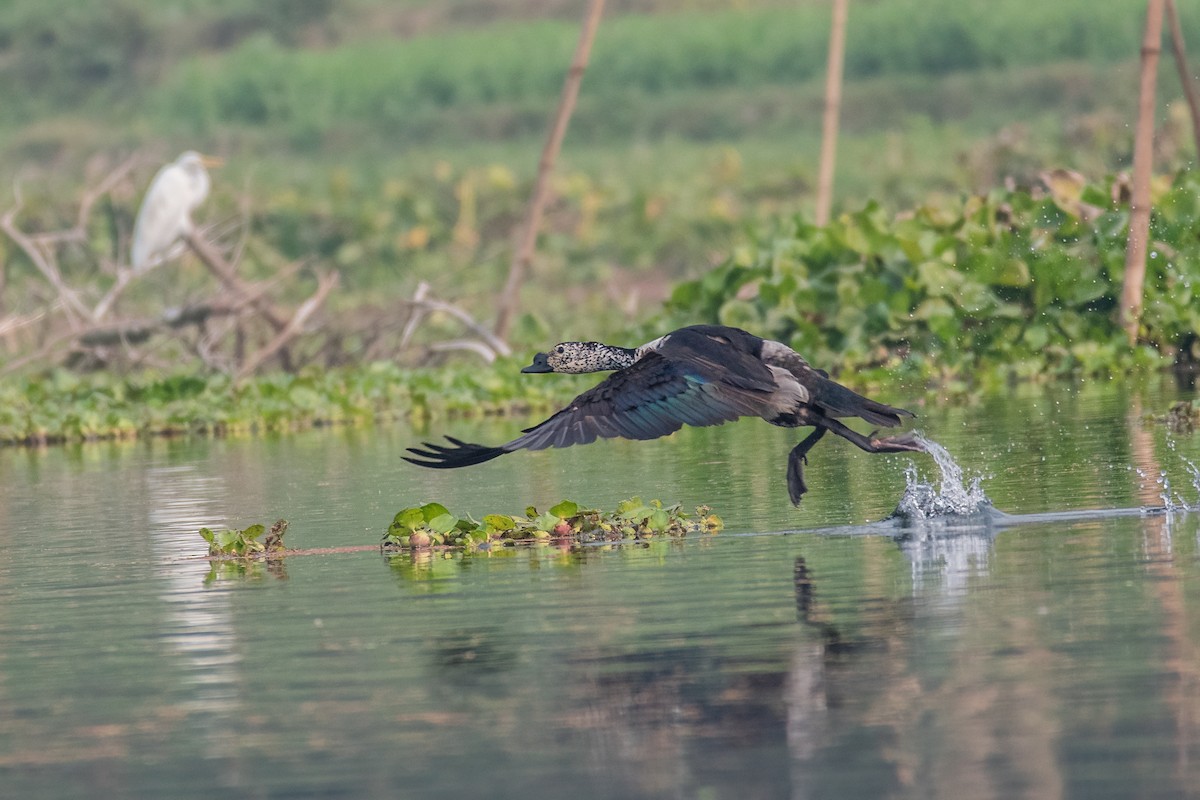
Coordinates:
(579, 357)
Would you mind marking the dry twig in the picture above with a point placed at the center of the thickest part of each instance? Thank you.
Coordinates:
(294, 326)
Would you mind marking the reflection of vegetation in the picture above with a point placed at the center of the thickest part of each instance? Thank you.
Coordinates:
(1017, 284)
(432, 524)
(244, 543)
(242, 569)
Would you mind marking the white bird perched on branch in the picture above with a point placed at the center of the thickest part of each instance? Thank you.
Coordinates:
(166, 212)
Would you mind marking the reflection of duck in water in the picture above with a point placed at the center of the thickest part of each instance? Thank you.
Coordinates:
(700, 375)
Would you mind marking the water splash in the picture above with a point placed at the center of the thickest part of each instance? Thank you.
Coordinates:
(1172, 500)
(951, 496)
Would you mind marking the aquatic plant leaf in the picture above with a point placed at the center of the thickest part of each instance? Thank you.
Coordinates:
(254, 531)
(625, 506)
(409, 519)
(224, 539)
(431, 510)
(658, 520)
(443, 523)
(499, 522)
(207, 535)
(546, 522)
(565, 509)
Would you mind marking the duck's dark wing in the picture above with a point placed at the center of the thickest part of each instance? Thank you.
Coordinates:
(654, 397)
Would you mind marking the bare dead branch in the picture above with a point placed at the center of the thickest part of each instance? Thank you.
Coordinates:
(12, 324)
(41, 353)
(484, 352)
(523, 256)
(498, 346)
(124, 277)
(225, 273)
(105, 186)
(429, 305)
(293, 327)
(45, 266)
(78, 232)
(416, 314)
(130, 332)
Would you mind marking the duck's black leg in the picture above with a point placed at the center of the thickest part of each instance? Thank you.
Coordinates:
(796, 461)
(902, 443)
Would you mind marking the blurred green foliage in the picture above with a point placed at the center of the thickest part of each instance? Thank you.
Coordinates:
(1014, 284)
(400, 87)
(219, 62)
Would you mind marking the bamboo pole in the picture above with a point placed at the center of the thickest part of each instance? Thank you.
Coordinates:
(523, 256)
(1185, 74)
(833, 106)
(1143, 162)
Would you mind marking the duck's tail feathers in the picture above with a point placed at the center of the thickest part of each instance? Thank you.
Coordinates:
(838, 401)
(462, 454)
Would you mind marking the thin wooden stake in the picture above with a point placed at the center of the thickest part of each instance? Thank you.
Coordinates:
(1143, 163)
(510, 298)
(833, 106)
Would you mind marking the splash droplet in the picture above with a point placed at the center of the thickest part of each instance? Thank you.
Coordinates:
(950, 497)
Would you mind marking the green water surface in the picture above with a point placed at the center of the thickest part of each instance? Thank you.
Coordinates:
(1043, 659)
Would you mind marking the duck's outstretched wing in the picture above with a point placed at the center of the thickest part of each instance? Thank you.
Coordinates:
(654, 397)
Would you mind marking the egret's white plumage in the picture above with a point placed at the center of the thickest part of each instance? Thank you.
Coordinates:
(166, 212)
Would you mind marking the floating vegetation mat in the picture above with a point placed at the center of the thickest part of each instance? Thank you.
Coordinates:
(433, 526)
(244, 543)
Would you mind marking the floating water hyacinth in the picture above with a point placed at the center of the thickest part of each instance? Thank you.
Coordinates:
(432, 524)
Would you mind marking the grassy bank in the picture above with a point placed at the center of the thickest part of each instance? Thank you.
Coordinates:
(65, 407)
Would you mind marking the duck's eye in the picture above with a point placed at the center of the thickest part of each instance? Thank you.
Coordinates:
(560, 350)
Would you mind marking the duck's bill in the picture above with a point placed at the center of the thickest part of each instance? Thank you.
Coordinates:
(540, 364)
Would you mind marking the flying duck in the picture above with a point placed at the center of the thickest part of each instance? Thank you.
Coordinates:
(699, 375)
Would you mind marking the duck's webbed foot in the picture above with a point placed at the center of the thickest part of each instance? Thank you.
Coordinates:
(796, 461)
(907, 442)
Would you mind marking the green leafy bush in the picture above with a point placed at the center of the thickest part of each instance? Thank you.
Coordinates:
(1014, 284)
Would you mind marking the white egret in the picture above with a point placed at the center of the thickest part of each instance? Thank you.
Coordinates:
(166, 212)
